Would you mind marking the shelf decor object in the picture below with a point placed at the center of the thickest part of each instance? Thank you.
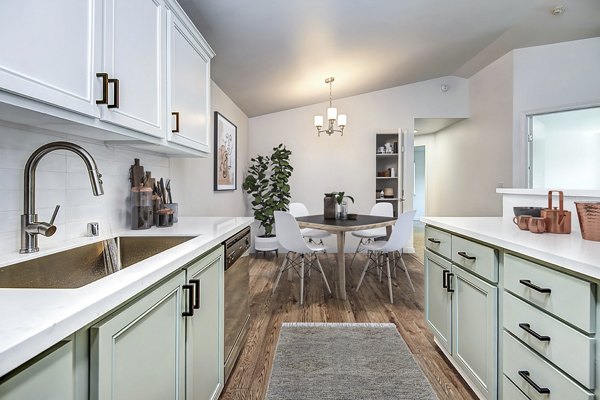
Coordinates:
(225, 153)
(332, 117)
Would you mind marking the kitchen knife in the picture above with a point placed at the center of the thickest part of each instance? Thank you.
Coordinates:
(169, 191)
(163, 191)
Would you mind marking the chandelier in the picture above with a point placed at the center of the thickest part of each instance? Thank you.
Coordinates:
(332, 116)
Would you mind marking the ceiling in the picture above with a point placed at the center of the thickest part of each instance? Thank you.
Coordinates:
(275, 55)
(425, 126)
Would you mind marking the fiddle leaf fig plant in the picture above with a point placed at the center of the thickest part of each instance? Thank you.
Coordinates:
(268, 184)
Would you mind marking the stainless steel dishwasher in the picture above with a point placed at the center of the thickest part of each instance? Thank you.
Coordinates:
(237, 292)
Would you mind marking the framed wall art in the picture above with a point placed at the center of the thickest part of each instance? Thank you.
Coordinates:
(225, 154)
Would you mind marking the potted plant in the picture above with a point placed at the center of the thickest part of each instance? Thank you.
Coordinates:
(268, 184)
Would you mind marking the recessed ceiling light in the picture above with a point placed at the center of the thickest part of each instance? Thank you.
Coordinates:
(415, 131)
(558, 10)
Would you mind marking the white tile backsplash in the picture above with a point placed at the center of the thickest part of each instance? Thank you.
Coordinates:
(61, 178)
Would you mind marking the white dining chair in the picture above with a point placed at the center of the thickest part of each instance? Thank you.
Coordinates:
(313, 235)
(380, 250)
(290, 237)
(366, 236)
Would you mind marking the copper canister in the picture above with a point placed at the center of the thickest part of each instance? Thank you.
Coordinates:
(558, 220)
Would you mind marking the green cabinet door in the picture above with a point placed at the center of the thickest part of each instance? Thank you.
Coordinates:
(50, 376)
(204, 330)
(474, 330)
(138, 353)
(438, 300)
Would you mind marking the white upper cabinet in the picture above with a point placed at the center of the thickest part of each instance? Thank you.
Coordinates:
(188, 104)
(48, 52)
(134, 58)
(134, 70)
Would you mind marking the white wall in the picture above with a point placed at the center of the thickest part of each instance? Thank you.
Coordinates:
(347, 163)
(467, 161)
(549, 78)
(419, 192)
(62, 178)
(194, 176)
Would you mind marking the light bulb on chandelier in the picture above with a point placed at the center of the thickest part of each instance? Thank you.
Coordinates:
(332, 117)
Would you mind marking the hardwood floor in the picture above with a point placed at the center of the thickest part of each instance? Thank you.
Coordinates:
(249, 378)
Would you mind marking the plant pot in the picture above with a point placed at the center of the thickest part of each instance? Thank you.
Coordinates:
(262, 243)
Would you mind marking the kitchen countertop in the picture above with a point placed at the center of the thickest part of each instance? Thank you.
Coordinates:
(569, 252)
(33, 320)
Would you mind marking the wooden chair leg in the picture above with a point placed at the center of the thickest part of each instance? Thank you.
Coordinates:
(302, 280)
(355, 253)
(323, 273)
(281, 269)
(389, 276)
(362, 276)
(407, 274)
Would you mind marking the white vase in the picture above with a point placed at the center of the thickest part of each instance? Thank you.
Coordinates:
(266, 243)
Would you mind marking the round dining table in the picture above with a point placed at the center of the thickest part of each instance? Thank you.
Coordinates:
(339, 227)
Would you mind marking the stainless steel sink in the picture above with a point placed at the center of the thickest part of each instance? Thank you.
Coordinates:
(82, 265)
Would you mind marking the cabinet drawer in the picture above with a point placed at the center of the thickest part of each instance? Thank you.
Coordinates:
(510, 391)
(567, 297)
(476, 258)
(570, 350)
(517, 358)
(438, 241)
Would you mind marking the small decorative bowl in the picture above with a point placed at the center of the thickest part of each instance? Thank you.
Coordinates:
(351, 216)
(533, 211)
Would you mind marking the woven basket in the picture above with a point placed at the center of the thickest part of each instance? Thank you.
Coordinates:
(589, 220)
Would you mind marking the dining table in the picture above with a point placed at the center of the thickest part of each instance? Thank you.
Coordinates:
(339, 227)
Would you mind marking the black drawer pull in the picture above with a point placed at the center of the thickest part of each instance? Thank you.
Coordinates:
(530, 285)
(435, 241)
(444, 278)
(527, 328)
(116, 95)
(449, 283)
(190, 302)
(104, 99)
(465, 255)
(196, 283)
(540, 390)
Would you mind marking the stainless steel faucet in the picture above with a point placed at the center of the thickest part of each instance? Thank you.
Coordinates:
(30, 227)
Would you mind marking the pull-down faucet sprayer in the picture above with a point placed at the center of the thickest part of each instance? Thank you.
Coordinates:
(30, 227)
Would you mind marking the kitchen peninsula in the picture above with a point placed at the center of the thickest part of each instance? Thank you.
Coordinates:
(515, 312)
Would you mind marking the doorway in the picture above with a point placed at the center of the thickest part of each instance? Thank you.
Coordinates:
(419, 194)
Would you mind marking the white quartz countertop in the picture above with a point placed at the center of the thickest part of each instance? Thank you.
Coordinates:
(570, 252)
(32, 320)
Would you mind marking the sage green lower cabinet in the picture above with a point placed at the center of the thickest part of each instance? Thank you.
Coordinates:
(474, 330)
(204, 330)
(139, 352)
(438, 300)
(53, 375)
(168, 343)
(462, 311)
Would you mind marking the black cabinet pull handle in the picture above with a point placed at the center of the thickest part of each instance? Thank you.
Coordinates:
(176, 115)
(115, 103)
(527, 328)
(190, 303)
(196, 283)
(432, 240)
(104, 76)
(530, 285)
(444, 279)
(540, 390)
(465, 255)
(449, 277)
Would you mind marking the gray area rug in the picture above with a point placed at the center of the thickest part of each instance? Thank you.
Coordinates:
(337, 361)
